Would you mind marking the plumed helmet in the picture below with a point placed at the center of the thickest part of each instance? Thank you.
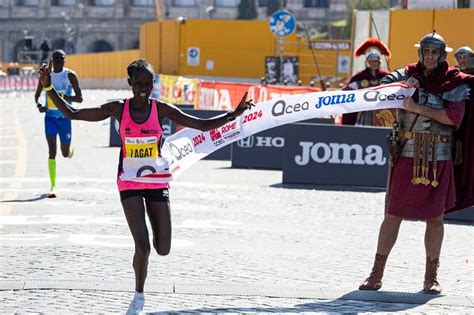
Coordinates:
(373, 49)
(373, 55)
(464, 50)
(372, 45)
(434, 41)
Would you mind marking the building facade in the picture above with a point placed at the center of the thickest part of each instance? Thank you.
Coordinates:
(77, 26)
(84, 26)
(304, 10)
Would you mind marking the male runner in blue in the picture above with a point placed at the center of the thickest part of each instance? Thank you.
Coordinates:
(64, 81)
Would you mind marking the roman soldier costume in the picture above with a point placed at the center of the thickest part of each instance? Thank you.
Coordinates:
(423, 184)
(373, 49)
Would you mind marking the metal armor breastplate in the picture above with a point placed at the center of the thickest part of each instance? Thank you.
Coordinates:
(427, 125)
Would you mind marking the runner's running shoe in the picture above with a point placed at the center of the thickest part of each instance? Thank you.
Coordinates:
(136, 306)
(51, 193)
(71, 152)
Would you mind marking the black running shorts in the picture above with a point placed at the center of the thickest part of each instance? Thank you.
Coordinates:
(152, 195)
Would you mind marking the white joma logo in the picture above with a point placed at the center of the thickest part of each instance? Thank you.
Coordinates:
(340, 153)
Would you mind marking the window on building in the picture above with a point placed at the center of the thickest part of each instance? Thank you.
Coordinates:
(316, 3)
(103, 3)
(28, 3)
(2, 3)
(65, 45)
(463, 3)
(63, 2)
(143, 3)
(184, 3)
(227, 3)
(264, 3)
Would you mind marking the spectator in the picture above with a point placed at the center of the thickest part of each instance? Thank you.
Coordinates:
(45, 47)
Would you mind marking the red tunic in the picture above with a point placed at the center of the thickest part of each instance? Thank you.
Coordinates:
(424, 202)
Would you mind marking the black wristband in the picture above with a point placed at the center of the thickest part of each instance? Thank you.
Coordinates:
(229, 115)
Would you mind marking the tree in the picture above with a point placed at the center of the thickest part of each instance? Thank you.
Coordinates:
(247, 10)
(275, 5)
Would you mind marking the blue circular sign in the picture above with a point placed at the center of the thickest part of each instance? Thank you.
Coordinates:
(282, 23)
(193, 53)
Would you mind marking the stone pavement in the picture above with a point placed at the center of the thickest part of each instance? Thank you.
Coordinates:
(242, 242)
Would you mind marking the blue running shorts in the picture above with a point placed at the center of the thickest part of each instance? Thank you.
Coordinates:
(58, 125)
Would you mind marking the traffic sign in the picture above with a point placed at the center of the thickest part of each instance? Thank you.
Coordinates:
(282, 23)
(193, 56)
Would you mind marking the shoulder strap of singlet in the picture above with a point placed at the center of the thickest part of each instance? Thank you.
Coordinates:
(125, 107)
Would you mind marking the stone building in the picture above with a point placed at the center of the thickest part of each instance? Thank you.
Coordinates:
(82, 26)
(77, 26)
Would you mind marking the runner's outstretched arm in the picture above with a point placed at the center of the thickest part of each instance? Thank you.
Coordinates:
(175, 114)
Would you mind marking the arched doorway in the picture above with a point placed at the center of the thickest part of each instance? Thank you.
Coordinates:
(20, 54)
(101, 46)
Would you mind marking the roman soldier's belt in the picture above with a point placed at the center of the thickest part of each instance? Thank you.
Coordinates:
(424, 145)
(427, 137)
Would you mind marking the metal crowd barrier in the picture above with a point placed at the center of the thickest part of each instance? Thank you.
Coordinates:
(18, 83)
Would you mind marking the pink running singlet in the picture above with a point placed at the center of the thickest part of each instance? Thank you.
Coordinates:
(140, 156)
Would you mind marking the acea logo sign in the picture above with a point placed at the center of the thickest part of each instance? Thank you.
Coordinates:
(282, 23)
(281, 108)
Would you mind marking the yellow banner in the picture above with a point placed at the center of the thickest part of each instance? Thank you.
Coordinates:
(178, 90)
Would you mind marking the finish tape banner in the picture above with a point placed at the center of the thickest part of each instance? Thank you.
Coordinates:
(187, 146)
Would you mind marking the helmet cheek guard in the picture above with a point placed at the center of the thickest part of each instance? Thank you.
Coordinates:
(442, 57)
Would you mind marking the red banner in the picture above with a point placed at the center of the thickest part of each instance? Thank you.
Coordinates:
(226, 95)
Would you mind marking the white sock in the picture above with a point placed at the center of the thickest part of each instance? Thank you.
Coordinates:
(139, 295)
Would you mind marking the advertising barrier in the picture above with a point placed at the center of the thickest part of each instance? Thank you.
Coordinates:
(226, 95)
(265, 149)
(466, 214)
(176, 90)
(336, 156)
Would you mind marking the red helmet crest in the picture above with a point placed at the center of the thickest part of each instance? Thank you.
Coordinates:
(372, 44)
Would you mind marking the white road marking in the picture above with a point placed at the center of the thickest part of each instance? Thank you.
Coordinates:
(27, 237)
(60, 219)
(20, 169)
(104, 220)
(117, 241)
(7, 180)
(59, 190)
(208, 224)
(114, 241)
(7, 162)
